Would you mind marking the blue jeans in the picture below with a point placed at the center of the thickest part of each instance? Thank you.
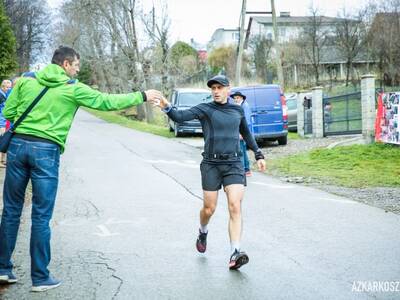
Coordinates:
(245, 158)
(39, 162)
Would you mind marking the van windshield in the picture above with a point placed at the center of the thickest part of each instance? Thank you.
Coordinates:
(192, 99)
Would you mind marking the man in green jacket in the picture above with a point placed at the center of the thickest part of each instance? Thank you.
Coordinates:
(34, 154)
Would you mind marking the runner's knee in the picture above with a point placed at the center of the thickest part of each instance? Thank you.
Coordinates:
(209, 209)
(234, 208)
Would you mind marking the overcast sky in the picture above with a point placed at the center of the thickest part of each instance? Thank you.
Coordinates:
(199, 19)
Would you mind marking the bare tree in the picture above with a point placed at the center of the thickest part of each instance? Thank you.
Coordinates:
(384, 39)
(106, 32)
(350, 38)
(312, 40)
(261, 47)
(30, 20)
(159, 34)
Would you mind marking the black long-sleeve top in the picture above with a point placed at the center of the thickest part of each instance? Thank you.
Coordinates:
(221, 125)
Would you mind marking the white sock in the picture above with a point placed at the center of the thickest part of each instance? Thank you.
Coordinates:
(203, 228)
(235, 246)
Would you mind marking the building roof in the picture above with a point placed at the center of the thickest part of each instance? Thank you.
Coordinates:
(294, 19)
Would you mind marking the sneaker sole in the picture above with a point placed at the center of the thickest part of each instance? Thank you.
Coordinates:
(200, 250)
(4, 279)
(242, 260)
(43, 288)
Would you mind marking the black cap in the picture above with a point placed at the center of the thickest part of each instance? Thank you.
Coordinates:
(238, 94)
(221, 79)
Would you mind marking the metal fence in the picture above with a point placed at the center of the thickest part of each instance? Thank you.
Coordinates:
(342, 114)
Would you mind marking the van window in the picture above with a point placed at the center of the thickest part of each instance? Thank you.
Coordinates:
(192, 99)
(267, 97)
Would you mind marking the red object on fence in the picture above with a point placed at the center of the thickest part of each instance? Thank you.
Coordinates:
(379, 118)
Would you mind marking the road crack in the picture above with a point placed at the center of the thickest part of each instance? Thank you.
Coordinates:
(103, 263)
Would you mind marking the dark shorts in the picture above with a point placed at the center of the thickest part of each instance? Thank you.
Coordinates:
(215, 175)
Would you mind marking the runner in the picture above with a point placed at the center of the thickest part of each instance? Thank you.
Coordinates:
(221, 166)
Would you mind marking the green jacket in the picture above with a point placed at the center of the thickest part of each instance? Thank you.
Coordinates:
(52, 116)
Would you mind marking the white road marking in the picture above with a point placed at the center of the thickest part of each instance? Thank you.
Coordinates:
(338, 200)
(105, 232)
(274, 186)
(173, 162)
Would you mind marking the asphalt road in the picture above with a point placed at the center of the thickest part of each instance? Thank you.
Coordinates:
(126, 221)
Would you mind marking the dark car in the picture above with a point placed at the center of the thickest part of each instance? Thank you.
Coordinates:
(185, 98)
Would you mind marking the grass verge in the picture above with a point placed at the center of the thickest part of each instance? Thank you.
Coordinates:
(351, 166)
(115, 117)
(293, 136)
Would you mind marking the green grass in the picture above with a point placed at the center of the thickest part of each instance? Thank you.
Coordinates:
(350, 166)
(293, 136)
(117, 118)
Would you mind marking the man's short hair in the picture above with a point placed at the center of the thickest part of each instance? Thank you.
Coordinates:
(63, 53)
(6, 83)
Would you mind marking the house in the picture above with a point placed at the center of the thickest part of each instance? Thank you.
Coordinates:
(289, 27)
(223, 37)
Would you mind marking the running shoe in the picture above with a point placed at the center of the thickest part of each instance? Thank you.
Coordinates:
(237, 260)
(201, 243)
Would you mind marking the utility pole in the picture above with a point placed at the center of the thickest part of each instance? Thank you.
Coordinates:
(241, 44)
(277, 46)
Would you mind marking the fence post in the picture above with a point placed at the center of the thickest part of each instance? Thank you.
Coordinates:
(368, 107)
(317, 112)
(300, 114)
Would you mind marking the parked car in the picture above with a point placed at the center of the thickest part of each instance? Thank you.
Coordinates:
(184, 98)
(269, 112)
(291, 102)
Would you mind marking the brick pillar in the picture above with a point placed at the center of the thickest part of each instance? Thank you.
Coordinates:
(317, 112)
(368, 107)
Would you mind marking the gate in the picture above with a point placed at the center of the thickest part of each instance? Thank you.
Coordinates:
(307, 103)
(342, 114)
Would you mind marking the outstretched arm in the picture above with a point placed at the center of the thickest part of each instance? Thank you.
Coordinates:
(178, 115)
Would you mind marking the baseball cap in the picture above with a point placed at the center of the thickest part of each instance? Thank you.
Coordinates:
(221, 79)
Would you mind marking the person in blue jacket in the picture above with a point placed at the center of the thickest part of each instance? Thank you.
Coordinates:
(240, 99)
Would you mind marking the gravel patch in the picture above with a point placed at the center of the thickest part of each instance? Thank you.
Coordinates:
(387, 198)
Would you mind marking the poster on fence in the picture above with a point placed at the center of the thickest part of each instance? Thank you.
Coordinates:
(388, 118)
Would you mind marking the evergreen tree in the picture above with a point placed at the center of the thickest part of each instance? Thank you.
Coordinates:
(7, 45)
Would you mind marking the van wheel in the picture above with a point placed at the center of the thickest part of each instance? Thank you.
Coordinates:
(171, 129)
(282, 140)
